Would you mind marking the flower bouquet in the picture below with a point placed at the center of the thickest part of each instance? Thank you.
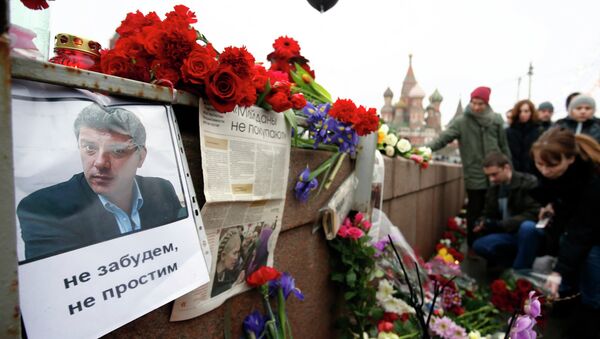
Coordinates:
(274, 324)
(390, 144)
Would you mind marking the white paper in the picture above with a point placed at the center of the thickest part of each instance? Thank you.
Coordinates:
(118, 280)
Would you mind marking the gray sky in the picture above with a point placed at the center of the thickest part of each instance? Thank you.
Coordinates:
(358, 48)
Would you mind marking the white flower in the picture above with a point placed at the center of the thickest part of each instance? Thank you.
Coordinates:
(387, 335)
(384, 129)
(395, 305)
(391, 140)
(403, 145)
(425, 151)
(385, 290)
(389, 151)
(474, 335)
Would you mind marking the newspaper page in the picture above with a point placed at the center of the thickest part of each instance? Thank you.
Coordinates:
(245, 163)
(338, 207)
(106, 218)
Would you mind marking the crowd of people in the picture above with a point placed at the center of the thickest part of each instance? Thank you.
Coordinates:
(533, 186)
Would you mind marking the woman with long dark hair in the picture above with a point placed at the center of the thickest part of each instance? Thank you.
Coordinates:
(570, 188)
(521, 133)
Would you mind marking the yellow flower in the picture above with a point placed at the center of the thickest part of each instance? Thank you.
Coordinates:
(381, 137)
(474, 335)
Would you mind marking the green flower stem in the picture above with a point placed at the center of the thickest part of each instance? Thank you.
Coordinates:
(481, 309)
(480, 323)
(281, 311)
(323, 167)
(410, 335)
(488, 328)
(271, 323)
(331, 177)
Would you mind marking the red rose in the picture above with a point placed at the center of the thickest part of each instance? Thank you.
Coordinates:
(262, 276)
(385, 326)
(452, 225)
(240, 60)
(524, 286)
(199, 65)
(279, 101)
(298, 101)
(391, 317)
(153, 40)
(343, 110)
(223, 90)
(115, 62)
(404, 317)
(498, 286)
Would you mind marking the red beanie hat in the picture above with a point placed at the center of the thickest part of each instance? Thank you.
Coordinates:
(482, 93)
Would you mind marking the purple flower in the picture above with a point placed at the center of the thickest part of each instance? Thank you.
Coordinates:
(305, 185)
(254, 323)
(523, 328)
(327, 130)
(532, 306)
(380, 246)
(288, 284)
(345, 137)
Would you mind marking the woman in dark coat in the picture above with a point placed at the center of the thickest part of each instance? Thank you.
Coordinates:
(522, 132)
(570, 190)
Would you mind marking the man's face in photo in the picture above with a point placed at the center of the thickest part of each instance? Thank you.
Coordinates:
(110, 160)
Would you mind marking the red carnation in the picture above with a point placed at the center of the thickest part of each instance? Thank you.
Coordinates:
(498, 286)
(164, 70)
(279, 64)
(286, 47)
(223, 90)
(278, 76)
(182, 14)
(248, 94)
(343, 110)
(240, 60)
(135, 22)
(35, 4)
(298, 101)
(404, 317)
(390, 316)
(199, 65)
(260, 78)
(366, 121)
(153, 40)
(279, 101)
(262, 276)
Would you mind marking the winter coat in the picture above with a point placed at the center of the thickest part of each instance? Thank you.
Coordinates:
(520, 204)
(575, 227)
(477, 135)
(590, 127)
(520, 138)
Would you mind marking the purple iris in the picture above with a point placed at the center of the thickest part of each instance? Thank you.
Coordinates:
(305, 185)
(345, 137)
(327, 130)
(288, 284)
(254, 323)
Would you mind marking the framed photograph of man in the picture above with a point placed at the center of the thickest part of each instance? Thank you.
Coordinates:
(98, 180)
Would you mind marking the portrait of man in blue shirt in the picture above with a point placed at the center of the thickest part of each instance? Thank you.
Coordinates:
(107, 199)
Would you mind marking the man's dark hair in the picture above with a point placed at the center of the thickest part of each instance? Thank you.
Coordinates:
(114, 119)
(495, 159)
(570, 97)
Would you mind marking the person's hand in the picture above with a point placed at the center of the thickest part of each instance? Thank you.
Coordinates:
(544, 211)
(552, 284)
(478, 228)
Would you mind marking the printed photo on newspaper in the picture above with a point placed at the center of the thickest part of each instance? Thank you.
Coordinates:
(245, 163)
(106, 227)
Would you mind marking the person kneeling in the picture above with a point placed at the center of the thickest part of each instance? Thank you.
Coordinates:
(507, 230)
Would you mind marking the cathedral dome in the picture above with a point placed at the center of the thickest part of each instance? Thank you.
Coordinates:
(436, 97)
(388, 93)
(416, 92)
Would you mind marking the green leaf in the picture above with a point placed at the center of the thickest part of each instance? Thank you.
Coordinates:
(349, 295)
(351, 278)
(320, 90)
(376, 313)
(337, 276)
(261, 98)
(290, 117)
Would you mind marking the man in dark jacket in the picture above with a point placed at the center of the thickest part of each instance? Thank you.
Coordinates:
(478, 131)
(509, 232)
(581, 118)
(545, 112)
(107, 199)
